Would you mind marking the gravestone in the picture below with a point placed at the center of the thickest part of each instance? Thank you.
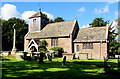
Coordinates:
(33, 56)
(64, 60)
(49, 57)
(41, 58)
(105, 63)
(25, 55)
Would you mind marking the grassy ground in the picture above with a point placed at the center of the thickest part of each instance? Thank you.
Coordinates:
(74, 69)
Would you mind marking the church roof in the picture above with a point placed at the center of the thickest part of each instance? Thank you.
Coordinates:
(92, 34)
(59, 29)
(38, 14)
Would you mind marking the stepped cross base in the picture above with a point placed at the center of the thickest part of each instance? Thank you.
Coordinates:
(13, 51)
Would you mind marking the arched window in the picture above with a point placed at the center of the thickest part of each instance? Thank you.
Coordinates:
(77, 48)
(54, 42)
(34, 22)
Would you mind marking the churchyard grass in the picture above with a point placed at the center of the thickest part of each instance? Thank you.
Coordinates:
(74, 69)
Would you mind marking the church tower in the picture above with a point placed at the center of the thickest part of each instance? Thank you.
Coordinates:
(37, 22)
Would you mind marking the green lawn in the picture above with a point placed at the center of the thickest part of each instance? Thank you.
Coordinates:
(84, 69)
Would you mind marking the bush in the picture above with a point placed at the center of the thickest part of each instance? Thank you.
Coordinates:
(57, 49)
(42, 46)
(60, 50)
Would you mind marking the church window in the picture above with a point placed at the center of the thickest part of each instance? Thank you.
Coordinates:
(54, 42)
(77, 48)
(87, 45)
(34, 22)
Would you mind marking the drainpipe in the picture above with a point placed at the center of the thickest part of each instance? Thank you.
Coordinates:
(100, 48)
(71, 43)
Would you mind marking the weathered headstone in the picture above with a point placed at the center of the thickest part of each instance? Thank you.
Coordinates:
(25, 55)
(105, 63)
(49, 57)
(64, 60)
(41, 58)
(33, 56)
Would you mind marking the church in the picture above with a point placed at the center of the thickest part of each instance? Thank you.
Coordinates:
(91, 41)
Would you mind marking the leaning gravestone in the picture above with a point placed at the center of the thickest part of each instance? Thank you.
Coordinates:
(25, 55)
(41, 58)
(49, 57)
(64, 60)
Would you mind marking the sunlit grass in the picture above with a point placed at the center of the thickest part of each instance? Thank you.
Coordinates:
(55, 70)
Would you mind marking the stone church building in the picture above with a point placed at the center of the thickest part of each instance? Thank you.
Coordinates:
(90, 41)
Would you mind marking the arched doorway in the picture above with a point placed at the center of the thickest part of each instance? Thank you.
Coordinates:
(33, 49)
(32, 46)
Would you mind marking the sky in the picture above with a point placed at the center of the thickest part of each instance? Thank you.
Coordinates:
(84, 12)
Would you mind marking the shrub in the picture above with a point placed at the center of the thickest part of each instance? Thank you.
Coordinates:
(59, 49)
(42, 46)
(43, 43)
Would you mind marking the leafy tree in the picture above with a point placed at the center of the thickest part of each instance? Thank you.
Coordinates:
(58, 19)
(7, 33)
(51, 21)
(59, 49)
(42, 45)
(118, 21)
(113, 44)
(97, 22)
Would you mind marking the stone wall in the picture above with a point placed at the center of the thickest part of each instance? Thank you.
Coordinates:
(62, 42)
(98, 52)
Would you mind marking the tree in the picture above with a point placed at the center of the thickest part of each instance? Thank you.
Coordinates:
(118, 28)
(58, 19)
(113, 44)
(7, 33)
(42, 46)
(97, 22)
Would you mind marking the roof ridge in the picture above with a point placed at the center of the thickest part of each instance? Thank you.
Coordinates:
(92, 27)
(62, 22)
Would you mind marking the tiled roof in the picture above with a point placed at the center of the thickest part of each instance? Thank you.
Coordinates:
(38, 14)
(59, 29)
(91, 34)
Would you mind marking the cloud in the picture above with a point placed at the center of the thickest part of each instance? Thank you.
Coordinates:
(50, 16)
(27, 14)
(112, 1)
(82, 9)
(102, 10)
(85, 26)
(8, 11)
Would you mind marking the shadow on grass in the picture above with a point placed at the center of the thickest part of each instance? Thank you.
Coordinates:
(55, 70)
